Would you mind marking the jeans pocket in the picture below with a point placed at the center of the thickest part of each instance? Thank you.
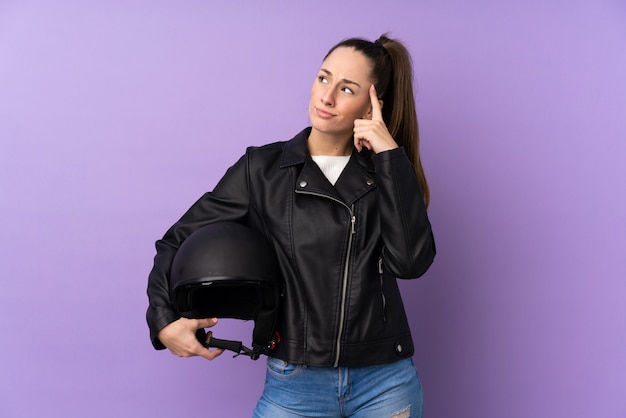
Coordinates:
(282, 368)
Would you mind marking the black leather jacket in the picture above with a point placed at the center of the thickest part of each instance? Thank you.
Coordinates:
(340, 249)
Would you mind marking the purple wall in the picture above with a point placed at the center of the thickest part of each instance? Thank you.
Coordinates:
(115, 117)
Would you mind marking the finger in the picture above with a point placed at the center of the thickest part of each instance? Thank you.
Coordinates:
(205, 352)
(360, 143)
(360, 130)
(211, 354)
(377, 113)
(206, 322)
(357, 144)
(357, 137)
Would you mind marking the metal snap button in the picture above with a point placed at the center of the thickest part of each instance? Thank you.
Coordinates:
(303, 183)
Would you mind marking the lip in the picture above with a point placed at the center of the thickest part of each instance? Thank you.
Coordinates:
(323, 114)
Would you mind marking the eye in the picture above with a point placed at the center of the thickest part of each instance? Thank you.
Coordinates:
(347, 90)
(322, 79)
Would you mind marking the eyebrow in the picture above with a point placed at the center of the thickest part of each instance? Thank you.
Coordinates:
(345, 80)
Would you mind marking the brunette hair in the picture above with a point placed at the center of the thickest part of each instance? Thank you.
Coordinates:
(392, 73)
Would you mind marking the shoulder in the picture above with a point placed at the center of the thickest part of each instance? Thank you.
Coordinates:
(270, 148)
(265, 155)
(280, 151)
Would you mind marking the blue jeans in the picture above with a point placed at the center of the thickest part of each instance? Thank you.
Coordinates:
(389, 390)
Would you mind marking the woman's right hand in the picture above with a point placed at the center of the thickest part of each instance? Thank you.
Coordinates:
(180, 338)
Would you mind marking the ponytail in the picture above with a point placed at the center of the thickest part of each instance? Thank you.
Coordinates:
(392, 72)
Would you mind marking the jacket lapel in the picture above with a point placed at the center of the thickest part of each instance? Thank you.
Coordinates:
(356, 180)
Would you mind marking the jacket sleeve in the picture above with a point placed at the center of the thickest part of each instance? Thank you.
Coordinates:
(227, 202)
(408, 242)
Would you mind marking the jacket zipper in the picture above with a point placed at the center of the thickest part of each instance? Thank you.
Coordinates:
(382, 290)
(344, 284)
(344, 288)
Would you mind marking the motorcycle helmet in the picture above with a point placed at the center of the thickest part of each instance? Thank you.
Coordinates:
(227, 270)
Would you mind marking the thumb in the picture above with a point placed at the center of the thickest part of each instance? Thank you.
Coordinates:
(206, 322)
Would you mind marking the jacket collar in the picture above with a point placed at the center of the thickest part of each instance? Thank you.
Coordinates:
(356, 179)
(296, 150)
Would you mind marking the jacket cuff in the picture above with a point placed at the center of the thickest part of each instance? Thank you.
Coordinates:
(157, 321)
(389, 155)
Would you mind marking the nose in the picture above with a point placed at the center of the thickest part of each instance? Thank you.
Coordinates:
(327, 98)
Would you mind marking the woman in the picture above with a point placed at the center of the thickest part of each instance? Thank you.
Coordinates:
(343, 204)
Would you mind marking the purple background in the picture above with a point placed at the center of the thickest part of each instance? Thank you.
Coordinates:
(116, 115)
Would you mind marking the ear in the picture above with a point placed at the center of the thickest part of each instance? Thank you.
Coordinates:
(368, 115)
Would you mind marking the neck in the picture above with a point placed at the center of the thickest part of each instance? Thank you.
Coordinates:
(321, 143)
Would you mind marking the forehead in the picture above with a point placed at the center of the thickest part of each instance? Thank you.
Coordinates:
(348, 63)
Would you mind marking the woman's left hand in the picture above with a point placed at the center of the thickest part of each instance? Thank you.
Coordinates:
(373, 133)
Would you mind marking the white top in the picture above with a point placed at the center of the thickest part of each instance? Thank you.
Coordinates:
(331, 165)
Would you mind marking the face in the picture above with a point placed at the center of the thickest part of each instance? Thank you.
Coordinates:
(340, 93)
